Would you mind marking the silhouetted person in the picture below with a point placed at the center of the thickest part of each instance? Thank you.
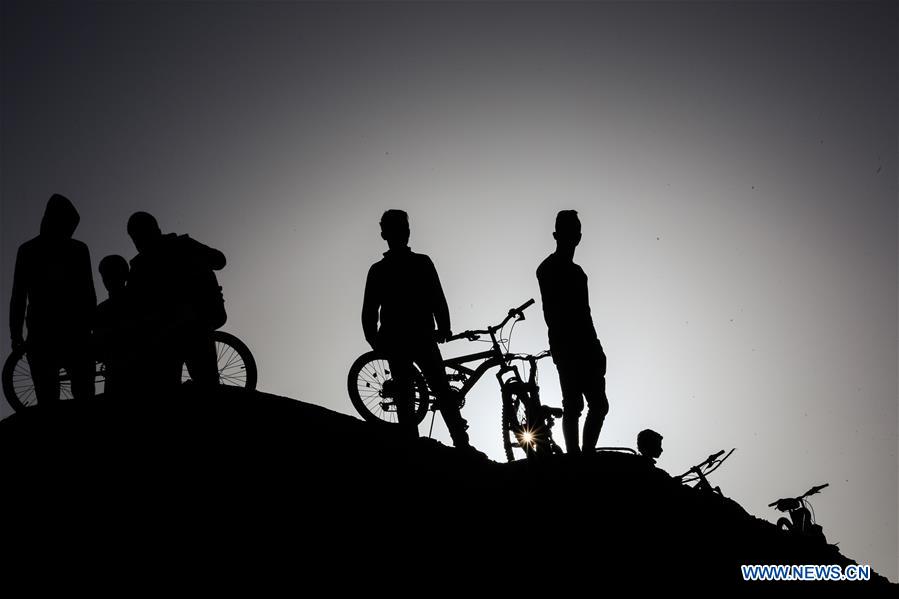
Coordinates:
(403, 289)
(178, 300)
(649, 444)
(53, 296)
(115, 336)
(576, 350)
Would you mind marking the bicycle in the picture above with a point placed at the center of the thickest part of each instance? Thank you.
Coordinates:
(236, 365)
(700, 472)
(526, 423)
(802, 516)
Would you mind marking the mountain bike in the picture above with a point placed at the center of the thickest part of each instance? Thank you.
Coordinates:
(699, 473)
(802, 515)
(526, 423)
(236, 364)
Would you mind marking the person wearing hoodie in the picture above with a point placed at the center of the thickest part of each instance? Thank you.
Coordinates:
(53, 298)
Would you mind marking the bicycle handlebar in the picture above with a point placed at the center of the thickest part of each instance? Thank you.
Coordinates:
(544, 354)
(524, 306)
(474, 335)
(517, 312)
(814, 490)
(712, 462)
(711, 458)
(470, 335)
(811, 491)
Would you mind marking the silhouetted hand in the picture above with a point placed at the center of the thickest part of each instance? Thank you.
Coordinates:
(442, 336)
(373, 342)
(17, 342)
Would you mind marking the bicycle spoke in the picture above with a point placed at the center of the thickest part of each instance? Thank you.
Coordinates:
(232, 358)
(235, 380)
(374, 381)
(234, 361)
(26, 395)
(369, 396)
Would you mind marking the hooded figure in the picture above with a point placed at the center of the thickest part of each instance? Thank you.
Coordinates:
(53, 296)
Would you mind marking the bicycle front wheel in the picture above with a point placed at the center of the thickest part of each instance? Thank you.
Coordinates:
(374, 392)
(785, 524)
(514, 419)
(525, 425)
(18, 385)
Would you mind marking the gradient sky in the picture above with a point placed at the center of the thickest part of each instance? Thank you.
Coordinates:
(734, 166)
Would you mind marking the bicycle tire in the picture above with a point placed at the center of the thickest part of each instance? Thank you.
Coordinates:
(18, 386)
(513, 418)
(236, 364)
(523, 414)
(507, 412)
(785, 524)
(366, 382)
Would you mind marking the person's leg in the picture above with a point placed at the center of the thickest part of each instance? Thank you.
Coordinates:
(163, 357)
(401, 374)
(594, 385)
(80, 364)
(44, 373)
(572, 405)
(112, 381)
(201, 358)
(130, 364)
(430, 361)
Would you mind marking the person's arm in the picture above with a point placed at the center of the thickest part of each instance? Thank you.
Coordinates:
(101, 331)
(439, 305)
(548, 296)
(87, 275)
(211, 257)
(371, 303)
(18, 301)
(215, 258)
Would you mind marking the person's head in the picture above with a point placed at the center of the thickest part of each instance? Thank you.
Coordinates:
(395, 228)
(60, 218)
(143, 230)
(568, 229)
(649, 444)
(114, 272)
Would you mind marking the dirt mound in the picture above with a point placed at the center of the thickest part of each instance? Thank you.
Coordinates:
(237, 479)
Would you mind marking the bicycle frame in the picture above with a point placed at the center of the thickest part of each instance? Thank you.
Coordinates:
(374, 393)
(492, 358)
(469, 376)
(701, 471)
(799, 510)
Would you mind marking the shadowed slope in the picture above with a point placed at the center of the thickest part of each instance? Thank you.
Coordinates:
(246, 478)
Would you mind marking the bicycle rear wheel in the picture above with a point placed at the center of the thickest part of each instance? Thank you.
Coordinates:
(373, 391)
(236, 364)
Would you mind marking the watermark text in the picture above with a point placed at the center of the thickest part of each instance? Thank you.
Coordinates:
(807, 572)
